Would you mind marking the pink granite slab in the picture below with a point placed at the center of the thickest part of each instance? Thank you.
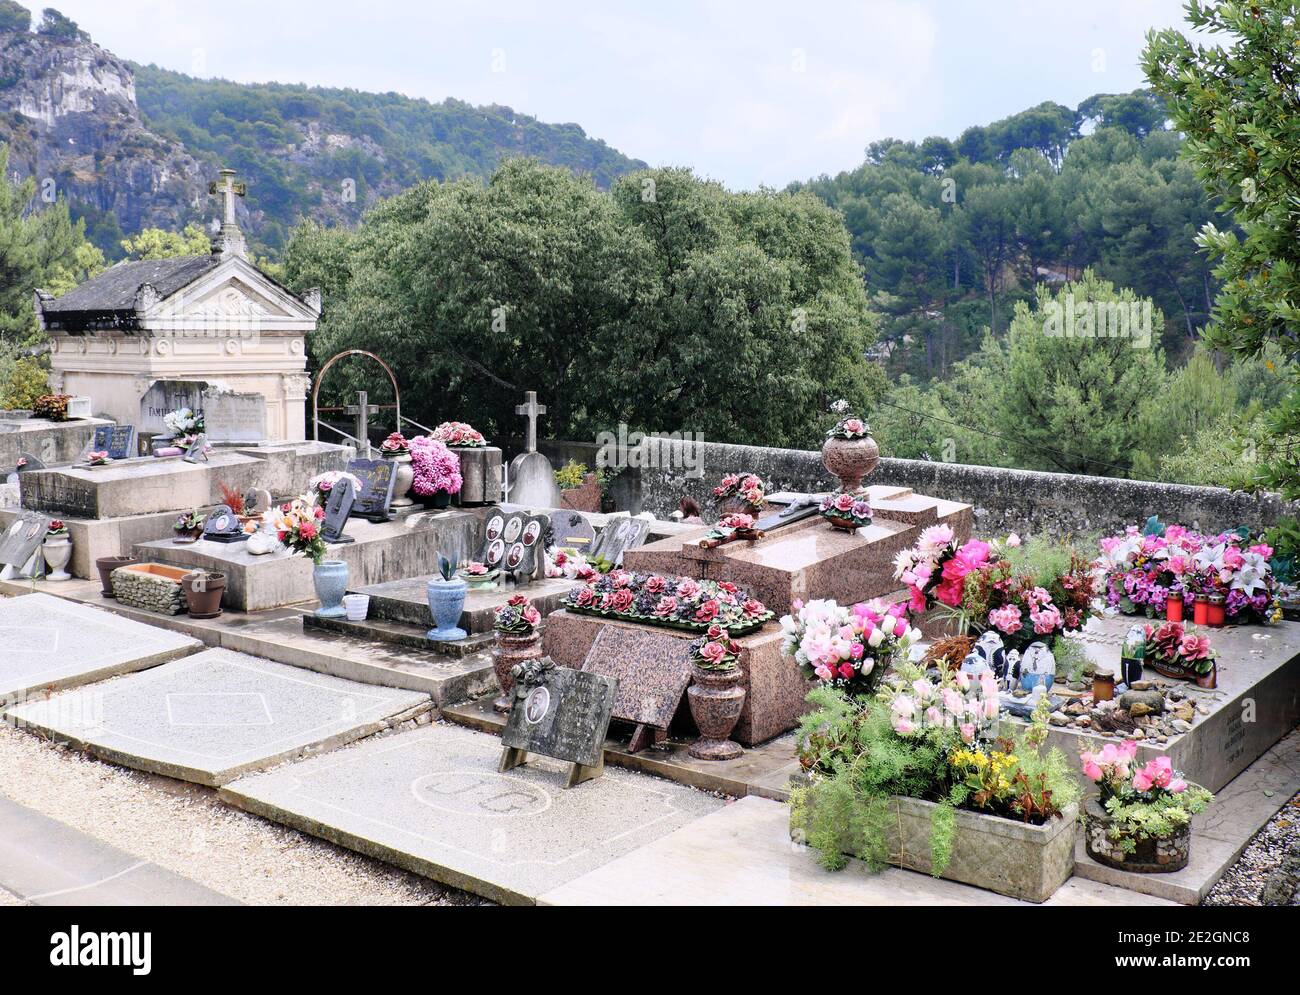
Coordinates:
(653, 670)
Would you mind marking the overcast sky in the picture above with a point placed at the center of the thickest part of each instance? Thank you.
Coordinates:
(747, 92)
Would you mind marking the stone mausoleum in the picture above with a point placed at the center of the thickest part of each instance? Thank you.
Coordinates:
(214, 319)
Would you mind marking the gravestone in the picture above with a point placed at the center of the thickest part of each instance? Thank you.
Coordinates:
(511, 541)
(197, 451)
(377, 478)
(20, 545)
(223, 526)
(560, 713)
(228, 416)
(116, 440)
(337, 509)
(257, 501)
(620, 534)
(165, 396)
(532, 480)
(652, 670)
(571, 530)
(29, 462)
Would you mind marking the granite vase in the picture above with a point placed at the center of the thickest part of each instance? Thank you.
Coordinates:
(850, 460)
(1153, 855)
(57, 552)
(715, 698)
(446, 602)
(512, 648)
(330, 579)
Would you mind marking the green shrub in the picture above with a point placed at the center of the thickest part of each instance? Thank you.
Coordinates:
(23, 383)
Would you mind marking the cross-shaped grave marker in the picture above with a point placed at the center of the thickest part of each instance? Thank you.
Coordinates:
(531, 409)
(363, 410)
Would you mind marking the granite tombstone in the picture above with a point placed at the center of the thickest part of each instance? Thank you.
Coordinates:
(571, 530)
(620, 534)
(377, 478)
(223, 525)
(337, 509)
(116, 440)
(653, 670)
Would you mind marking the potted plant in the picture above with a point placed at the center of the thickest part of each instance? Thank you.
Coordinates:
(1175, 650)
(478, 575)
(188, 526)
(203, 590)
(185, 426)
(715, 695)
(298, 527)
(436, 471)
(52, 407)
(740, 492)
(445, 593)
(849, 452)
(98, 457)
(1141, 818)
(846, 511)
(518, 640)
(398, 449)
(234, 500)
(579, 489)
(57, 549)
(106, 565)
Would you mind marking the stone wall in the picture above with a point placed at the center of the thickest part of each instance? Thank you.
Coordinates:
(51, 442)
(1022, 501)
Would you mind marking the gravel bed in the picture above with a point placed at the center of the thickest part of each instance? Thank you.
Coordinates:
(184, 828)
(1243, 882)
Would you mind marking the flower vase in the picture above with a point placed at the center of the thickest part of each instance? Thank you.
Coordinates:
(446, 602)
(403, 477)
(440, 499)
(715, 698)
(512, 648)
(330, 578)
(850, 460)
(58, 551)
(1153, 855)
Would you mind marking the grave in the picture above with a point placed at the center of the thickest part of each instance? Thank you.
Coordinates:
(116, 440)
(404, 601)
(377, 478)
(432, 801)
(49, 644)
(531, 479)
(653, 670)
(222, 526)
(341, 501)
(572, 530)
(559, 713)
(228, 416)
(213, 716)
(620, 534)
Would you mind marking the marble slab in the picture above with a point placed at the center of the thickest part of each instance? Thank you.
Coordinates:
(213, 716)
(405, 601)
(47, 643)
(431, 801)
(652, 667)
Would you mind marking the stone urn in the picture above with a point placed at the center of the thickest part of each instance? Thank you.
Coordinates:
(446, 602)
(330, 579)
(850, 460)
(57, 551)
(512, 648)
(1153, 855)
(715, 698)
(106, 565)
(403, 477)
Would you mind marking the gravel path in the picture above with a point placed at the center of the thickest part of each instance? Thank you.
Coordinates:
(1245, 879)
(184, 828)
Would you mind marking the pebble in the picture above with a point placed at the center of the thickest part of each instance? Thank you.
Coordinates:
(1243, 883)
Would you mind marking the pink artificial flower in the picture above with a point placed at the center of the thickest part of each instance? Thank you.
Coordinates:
(903, 727)
(1142, 781)
(1006, 619)
(967, 732)
(1091, 771)
(1178, 785)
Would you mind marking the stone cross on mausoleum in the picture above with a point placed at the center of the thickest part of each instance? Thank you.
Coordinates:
(530, 409)
(229, 240)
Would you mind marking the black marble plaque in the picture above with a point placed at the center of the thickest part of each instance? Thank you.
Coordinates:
(116, 440)
(565, 717)
(652, 669)
(377, 477)
(223, 526)
(341, 501)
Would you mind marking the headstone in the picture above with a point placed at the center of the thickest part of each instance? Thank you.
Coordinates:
(571, 530)
(116, 440)
(228, 416)
(652, 670)
(560, 713)
(165, 396)
(531, 478)
(20, 545)
(377, 478)
(257, 501)
(223, 526)
(337, 509)
(197, 451)
(511, 541)
(29, 462)
(620, 534)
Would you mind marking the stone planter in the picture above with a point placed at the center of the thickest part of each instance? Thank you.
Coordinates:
(203, 593)
(583, 498)
(403, 477)
(1149, 856)
(512, 649)
(1003, 855)
(480, 469)
(151, 587)
(446, 602)
(850, 460)
(330, 579)
(57, 552)
(106, 565)
(715, 698)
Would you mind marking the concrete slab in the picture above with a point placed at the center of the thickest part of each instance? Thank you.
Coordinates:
(48, 643)
(44, 862)
(431, 801)
(743, 855)
(216, 715)
(405, 600)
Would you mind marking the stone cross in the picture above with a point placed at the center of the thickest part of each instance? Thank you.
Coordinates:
(530, 409)
(229, 190)
(363, 410)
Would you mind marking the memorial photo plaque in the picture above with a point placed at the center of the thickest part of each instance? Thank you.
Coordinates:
(565, 715)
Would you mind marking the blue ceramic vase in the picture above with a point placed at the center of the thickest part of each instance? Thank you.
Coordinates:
(446, 602)
(330, 578)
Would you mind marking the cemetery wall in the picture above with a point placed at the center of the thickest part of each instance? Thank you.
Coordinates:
(1024, 501)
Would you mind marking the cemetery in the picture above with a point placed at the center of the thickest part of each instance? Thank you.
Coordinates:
(429, 652)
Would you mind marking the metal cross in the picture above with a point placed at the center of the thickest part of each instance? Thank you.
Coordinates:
(531, 409)
(229, 190)
(363, 410)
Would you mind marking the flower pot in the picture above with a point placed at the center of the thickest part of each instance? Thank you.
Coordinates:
(330, 578)
(715, 698)
(512, 649)
(1153, 855)
(1130, 668)
(187, 537)
(356, 606)
(1174, 609)
(203, 594)
(106, 565)
(440, 499)
(446, 602)
(848, 525)
(57, 552)
(738, 506)
(850, 460)
(402, 479)
(1209, 681)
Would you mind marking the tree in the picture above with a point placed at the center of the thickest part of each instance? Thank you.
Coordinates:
(14, 17)
(1239, 105)
(158, 243)
(56, 25)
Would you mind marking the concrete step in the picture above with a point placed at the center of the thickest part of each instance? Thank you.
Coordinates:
(405, 601)
(400, 634)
